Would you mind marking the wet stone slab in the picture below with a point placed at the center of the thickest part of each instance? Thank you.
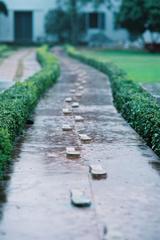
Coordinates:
(35, 203)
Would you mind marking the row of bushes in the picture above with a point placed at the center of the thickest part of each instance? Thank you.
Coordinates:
(3, 48)
(137, 106)
(17, 103)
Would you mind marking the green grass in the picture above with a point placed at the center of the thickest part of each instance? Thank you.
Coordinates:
(141, 67)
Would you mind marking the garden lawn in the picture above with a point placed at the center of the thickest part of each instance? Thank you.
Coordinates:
(141, 67)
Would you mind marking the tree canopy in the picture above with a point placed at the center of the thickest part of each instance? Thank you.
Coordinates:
(3, 8)
(137, 16)
(58, 22)
(67, 19)
(153, 15)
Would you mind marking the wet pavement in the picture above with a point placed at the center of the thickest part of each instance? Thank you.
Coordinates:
(35, 202)
(30, 65)
(153, 89)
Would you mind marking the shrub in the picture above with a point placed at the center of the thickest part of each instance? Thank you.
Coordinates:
(18, 102)
(3, 48)
(136, 105)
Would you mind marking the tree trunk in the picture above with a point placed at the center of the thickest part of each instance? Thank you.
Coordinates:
(74, 22)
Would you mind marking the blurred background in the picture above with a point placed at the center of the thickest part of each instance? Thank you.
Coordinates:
(97, 23)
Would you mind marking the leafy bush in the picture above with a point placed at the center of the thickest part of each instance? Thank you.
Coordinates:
(3, 48)
(18, 102)
(136, 105)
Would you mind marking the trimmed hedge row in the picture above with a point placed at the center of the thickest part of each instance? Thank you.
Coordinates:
(17, 103)
(3, 48)
(136, 105)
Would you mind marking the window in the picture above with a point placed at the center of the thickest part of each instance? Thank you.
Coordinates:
(93, 20)
(97, 20)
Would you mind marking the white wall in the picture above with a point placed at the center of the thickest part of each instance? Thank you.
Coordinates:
(110, 31)
(6, 28)
(40, 8)
(38, 25)
(30, 4)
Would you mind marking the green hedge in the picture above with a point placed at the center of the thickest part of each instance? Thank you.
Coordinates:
(3, 48)
(17, 103)
(137, 106)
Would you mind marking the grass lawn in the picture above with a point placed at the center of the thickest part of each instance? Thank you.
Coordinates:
(141, 67)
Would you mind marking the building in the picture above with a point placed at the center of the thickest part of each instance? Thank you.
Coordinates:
(103, 20)
(25, 21)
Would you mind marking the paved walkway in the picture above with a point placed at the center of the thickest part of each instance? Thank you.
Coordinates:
(30, 65)
(19, 66)
(35, 202)
(153, 89)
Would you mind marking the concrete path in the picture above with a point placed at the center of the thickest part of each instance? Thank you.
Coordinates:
(153, 89)
(35, 202)
(19, 66)
(30, 65)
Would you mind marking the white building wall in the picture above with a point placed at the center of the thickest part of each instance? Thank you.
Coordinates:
(30, 4)
(6, 27)
(41, 7)
(110, 31)
(38, 25)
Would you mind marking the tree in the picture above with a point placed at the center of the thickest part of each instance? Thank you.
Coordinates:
(132, 16)
(3, 8)
(153, 18)
(70, 11)
(137, 16)
(58, 22)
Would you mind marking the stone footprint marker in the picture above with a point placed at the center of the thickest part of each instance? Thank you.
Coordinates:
(67, 111)
(79, 197)
(97, 172)
(71, 152)
(79, 118)
(67, 127)
(75, 105)
(68, 99)
(85, 138)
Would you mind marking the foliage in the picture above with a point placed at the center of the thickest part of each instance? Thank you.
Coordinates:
(138, 16)
(153, 15)
(67, 20)
(3, 48)
(132, 16)
(62, 26)
(137, 106)
(18, 102)
(3, 8)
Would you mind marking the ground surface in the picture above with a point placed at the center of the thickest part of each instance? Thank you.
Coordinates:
(140, 67)
(35, 201)
(17, 67)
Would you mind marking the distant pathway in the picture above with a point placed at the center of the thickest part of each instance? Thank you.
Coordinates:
(19, 66)
(35, 202)
(30, 65)
(153, 89)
